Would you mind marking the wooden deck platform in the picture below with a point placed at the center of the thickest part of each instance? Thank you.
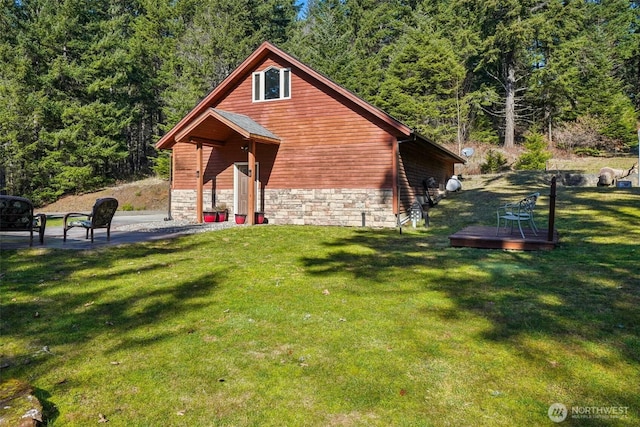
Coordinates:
(485, 238)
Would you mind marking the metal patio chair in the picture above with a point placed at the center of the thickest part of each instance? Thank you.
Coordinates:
(519, 212)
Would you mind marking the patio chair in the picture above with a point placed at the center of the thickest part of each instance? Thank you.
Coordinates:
(519, 212)
(100, 217)
(16, 214)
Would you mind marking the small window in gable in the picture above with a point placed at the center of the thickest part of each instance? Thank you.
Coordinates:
(272, 83)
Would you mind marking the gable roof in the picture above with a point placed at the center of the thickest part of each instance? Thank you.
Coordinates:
(245, 126)
(259, 55)
(234, 122)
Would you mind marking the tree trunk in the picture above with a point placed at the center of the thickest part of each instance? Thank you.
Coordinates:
(510, 104)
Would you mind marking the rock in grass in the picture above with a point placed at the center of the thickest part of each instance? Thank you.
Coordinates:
(18, 406)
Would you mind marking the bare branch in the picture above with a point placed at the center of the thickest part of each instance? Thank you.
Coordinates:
(537, 7)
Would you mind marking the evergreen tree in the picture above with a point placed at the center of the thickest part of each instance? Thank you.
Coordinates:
(273, 20)
(90, 81)
(475, 94)
(423, 85)
(576, 73)
(219, 36)
(210, 47)
(376, 26)
(554, 72)
(87, 86)
(20, 105)
(507, 31)
(324, 40)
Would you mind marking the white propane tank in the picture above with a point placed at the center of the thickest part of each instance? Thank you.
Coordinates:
(454, 184)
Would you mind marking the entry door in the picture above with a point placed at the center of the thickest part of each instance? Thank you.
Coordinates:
(241, 183)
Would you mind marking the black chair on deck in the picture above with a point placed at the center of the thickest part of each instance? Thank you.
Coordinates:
(100, 217)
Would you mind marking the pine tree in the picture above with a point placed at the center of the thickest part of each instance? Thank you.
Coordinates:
(423, 85)
(577, 70)
(324, 40)
(216, 38)
(507, 31)
(376, 26)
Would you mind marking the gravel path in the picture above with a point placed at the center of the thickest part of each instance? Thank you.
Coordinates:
(174, 226)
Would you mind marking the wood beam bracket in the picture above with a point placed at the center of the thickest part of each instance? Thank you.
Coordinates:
(206, 141)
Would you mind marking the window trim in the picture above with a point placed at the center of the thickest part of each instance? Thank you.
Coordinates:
(258, 84)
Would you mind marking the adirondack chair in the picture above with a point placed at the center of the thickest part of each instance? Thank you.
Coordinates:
(16, 214)
(519, 212)
(100, 217)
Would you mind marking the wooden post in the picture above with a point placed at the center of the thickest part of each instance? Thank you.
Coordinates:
(395, 165)
(251, 202)
(171, 167)
(200, 184)
(552, 210)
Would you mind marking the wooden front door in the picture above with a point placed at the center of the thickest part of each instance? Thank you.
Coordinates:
(241, 187)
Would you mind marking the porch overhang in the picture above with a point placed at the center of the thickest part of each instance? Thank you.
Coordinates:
(214, 127)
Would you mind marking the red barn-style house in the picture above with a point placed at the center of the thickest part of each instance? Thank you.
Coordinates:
(280, 138)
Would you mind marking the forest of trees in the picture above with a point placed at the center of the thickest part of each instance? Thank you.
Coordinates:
(88, 86)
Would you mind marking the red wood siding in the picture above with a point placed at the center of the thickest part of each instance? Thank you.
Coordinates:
(415, 167)
(324, 143)
(184, 165)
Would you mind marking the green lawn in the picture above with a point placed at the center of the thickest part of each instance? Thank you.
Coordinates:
(330, 326)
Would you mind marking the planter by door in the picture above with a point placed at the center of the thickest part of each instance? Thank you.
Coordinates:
(222, 216)
(210, 216)
(241, 218)
(259, 218)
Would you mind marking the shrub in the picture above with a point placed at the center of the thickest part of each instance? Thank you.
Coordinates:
(586, 134)
(587, 151)
(494, 162)
(162, 165)
(79, 179)
(536, 156)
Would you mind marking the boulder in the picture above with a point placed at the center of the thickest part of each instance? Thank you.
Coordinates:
(18, 406)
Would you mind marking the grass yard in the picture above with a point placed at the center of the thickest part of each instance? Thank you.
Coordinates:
(330, 326)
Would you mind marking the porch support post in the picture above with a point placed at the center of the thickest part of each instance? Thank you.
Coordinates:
(200, 184)
(395, 152)
(251, 194)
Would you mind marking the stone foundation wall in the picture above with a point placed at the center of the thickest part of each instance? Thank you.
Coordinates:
(183, 203)
(344, 207)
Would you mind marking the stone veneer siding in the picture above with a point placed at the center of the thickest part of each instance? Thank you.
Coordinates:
(344, 207)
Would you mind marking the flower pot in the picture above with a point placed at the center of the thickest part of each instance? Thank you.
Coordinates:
(259, 218)
(222, 216)
(210, 216)
(241, 218)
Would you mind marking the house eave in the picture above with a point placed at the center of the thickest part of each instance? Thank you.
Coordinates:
(416, 137)
(169, 139)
